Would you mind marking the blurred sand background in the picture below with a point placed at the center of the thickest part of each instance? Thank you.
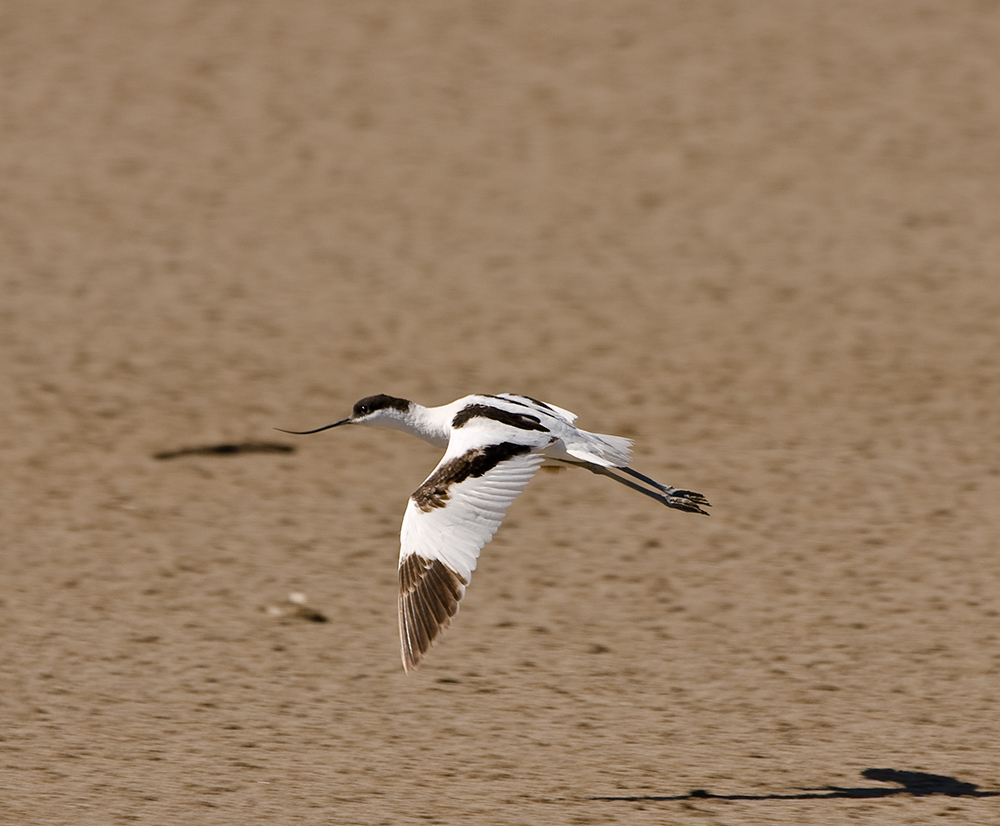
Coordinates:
(761, 239)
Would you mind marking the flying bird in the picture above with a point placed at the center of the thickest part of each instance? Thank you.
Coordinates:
(493, 446)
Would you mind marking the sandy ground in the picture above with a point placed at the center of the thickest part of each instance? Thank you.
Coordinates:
(759, 238)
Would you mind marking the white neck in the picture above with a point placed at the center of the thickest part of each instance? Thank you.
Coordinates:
(432, 424)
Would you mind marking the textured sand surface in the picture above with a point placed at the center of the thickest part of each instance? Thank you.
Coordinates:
(761, 239)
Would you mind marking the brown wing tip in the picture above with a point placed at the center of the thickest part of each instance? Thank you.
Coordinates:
(429, 593)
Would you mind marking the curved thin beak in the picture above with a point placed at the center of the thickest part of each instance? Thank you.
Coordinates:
(317, 430)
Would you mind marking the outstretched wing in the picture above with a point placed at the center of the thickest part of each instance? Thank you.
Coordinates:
(448, 519)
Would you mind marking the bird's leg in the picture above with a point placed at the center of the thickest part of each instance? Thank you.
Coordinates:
(670, 497)
(697, 498)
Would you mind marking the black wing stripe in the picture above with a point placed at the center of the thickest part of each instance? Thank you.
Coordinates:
(539, 403)
(522, 421)
(435, 492)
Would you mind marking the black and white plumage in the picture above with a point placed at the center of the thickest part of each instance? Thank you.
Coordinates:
(493, 446)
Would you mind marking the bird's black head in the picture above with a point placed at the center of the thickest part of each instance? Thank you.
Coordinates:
(371, 404)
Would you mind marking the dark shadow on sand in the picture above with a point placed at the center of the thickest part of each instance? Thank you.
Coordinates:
(227, 449)
(915, 784)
